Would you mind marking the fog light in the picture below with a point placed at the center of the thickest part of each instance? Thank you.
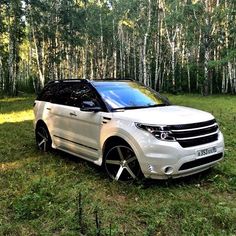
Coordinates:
(168, 170)
(151, 168)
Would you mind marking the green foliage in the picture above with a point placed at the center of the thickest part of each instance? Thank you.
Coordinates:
(70, 39)
(34, 202)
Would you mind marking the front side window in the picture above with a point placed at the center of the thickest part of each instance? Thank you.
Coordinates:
(83, 93)
(128, 95)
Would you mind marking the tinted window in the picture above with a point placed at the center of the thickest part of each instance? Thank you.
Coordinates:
(128, 95)
(63, 93)
(82, 92)
(48, 92)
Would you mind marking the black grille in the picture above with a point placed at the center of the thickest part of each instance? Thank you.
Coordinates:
(203, 131)
(198, 141)
(190, 135)
(193, 125)
(202, 161)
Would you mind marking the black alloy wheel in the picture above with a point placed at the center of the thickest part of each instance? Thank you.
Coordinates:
(43, 139)
(121, 163)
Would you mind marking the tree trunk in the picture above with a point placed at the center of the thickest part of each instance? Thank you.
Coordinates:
(206, 50)
(188, 74)
(102, 66)
(140, 74)
(135, 57)
(198, 60)
(145, 74)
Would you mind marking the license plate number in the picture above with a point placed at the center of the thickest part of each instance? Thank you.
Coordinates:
(206, 152)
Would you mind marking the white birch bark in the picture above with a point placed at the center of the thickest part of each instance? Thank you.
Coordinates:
(206, 50)
(229, 64)
(91, 66)
(172, 43)
(135, 58)
(114, 53)
(140, 74)
(198, 59)
(38, 51)
(145, 74)
(101, 44)
(157, 80)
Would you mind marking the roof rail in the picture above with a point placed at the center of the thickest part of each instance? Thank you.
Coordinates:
(113, 78)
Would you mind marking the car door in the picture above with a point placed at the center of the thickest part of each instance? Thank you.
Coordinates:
(60, 115)
(86, 125)
(78, 131)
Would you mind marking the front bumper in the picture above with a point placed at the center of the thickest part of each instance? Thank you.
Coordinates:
(163, 160)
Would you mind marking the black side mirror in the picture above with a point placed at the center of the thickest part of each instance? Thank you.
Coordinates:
(90, 106)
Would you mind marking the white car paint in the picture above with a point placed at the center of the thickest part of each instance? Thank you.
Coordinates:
(87, 133)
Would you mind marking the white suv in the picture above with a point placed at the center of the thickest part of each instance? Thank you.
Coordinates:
(127, 127)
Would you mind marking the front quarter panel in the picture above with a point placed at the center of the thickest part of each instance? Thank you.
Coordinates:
(123, 129)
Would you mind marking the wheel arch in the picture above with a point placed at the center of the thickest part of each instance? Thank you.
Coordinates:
(40, 122)
(111, 141)
(118, 140)
(115, 139)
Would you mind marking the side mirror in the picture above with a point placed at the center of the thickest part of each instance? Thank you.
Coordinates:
(90, 106)
(166, 99)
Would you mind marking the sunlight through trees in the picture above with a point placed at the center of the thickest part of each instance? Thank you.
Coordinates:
(172, 46)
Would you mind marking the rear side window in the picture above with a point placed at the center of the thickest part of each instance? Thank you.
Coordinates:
(59, 93)
(68, 94)
(63, 93)
(48, 93)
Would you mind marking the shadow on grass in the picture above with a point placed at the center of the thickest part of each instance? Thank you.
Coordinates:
(16, 104)
(195, 179)
(199, 178)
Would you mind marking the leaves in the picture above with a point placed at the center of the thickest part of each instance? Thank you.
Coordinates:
(96, 39)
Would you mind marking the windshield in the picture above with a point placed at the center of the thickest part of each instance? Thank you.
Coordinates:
(128, 95)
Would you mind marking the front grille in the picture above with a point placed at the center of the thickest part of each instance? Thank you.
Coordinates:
(202, 161)
(190, 135)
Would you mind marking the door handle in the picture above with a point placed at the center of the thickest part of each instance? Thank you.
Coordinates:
(72, 114)
(48, 108)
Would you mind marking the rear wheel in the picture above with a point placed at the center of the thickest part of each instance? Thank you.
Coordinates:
(121, 163)
(43, 139)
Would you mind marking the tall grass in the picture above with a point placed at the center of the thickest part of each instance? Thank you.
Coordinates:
(58, 194)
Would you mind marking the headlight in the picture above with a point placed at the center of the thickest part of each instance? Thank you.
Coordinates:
(160, 132)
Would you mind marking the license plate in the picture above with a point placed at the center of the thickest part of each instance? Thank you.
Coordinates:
(206, 152)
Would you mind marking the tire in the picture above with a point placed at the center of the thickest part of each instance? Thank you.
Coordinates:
(121, 163)
(43, 139)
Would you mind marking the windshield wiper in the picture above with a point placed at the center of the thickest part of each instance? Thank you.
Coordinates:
(157, 105)
(127, 108)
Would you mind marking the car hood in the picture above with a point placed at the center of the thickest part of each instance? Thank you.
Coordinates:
(166, 115)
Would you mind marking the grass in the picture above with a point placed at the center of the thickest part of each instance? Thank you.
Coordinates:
(58, 194)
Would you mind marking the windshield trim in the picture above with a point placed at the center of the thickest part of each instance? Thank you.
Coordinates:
(138, 107)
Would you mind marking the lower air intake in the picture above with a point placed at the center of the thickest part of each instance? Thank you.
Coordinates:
(202, 161)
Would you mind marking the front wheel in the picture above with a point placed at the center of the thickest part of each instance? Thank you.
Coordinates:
(122, 164)
(43, 139)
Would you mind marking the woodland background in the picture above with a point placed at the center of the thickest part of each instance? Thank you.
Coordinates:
(170, 45)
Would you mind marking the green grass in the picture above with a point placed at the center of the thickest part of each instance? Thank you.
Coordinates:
(39, 193)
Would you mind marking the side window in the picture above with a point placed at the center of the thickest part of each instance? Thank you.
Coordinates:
(63, 93)
(81, 93)
(47, 94)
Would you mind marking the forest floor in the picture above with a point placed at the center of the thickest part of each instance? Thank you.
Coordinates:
(58, 194)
